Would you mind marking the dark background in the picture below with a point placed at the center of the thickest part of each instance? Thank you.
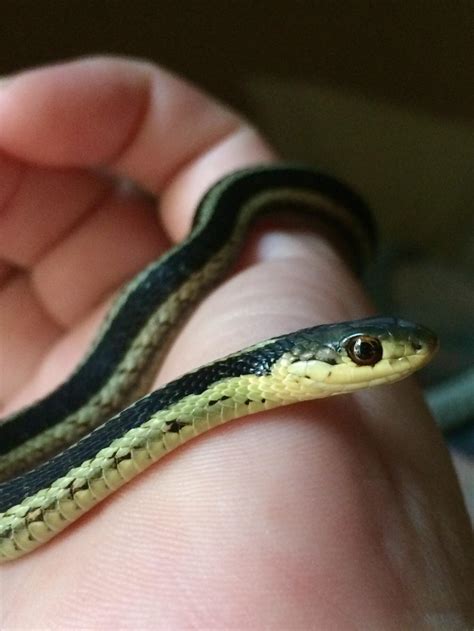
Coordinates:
(415, 53)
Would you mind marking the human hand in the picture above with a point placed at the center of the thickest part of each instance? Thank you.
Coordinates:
(331, 514)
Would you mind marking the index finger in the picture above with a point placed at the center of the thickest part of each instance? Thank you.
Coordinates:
(128, 116)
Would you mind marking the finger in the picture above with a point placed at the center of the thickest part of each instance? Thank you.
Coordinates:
(39, 207)
(65, 269)
(111, 244)
(134, 119)
(26, 334)
(323, 491)
(308, 517)
(131, 117)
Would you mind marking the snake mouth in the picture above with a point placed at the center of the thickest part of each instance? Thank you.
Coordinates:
(346, 377)
(421, 337)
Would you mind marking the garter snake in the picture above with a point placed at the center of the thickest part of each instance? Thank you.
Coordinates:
(62, 455)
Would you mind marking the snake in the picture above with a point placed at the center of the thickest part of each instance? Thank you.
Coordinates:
(66, 452)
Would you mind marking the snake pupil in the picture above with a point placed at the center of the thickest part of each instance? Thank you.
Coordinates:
(364, 350)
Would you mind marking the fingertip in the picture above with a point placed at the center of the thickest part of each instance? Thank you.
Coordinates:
(242, 147)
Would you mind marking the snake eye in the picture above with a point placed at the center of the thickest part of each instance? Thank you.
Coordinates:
(364, 350)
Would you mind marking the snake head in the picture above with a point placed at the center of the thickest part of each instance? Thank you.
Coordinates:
(347, 356)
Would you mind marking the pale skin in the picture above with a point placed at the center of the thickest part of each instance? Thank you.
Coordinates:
(336, 514)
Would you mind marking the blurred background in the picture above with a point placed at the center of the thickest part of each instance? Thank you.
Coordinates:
(376, 92)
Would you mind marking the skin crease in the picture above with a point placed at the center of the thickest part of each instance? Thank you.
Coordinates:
(335, 514)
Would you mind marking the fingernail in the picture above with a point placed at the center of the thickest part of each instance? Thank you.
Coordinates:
(288, 242)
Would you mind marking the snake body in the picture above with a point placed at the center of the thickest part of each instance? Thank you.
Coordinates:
(68, 451)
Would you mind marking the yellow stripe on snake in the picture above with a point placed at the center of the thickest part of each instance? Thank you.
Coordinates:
(68, 451)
